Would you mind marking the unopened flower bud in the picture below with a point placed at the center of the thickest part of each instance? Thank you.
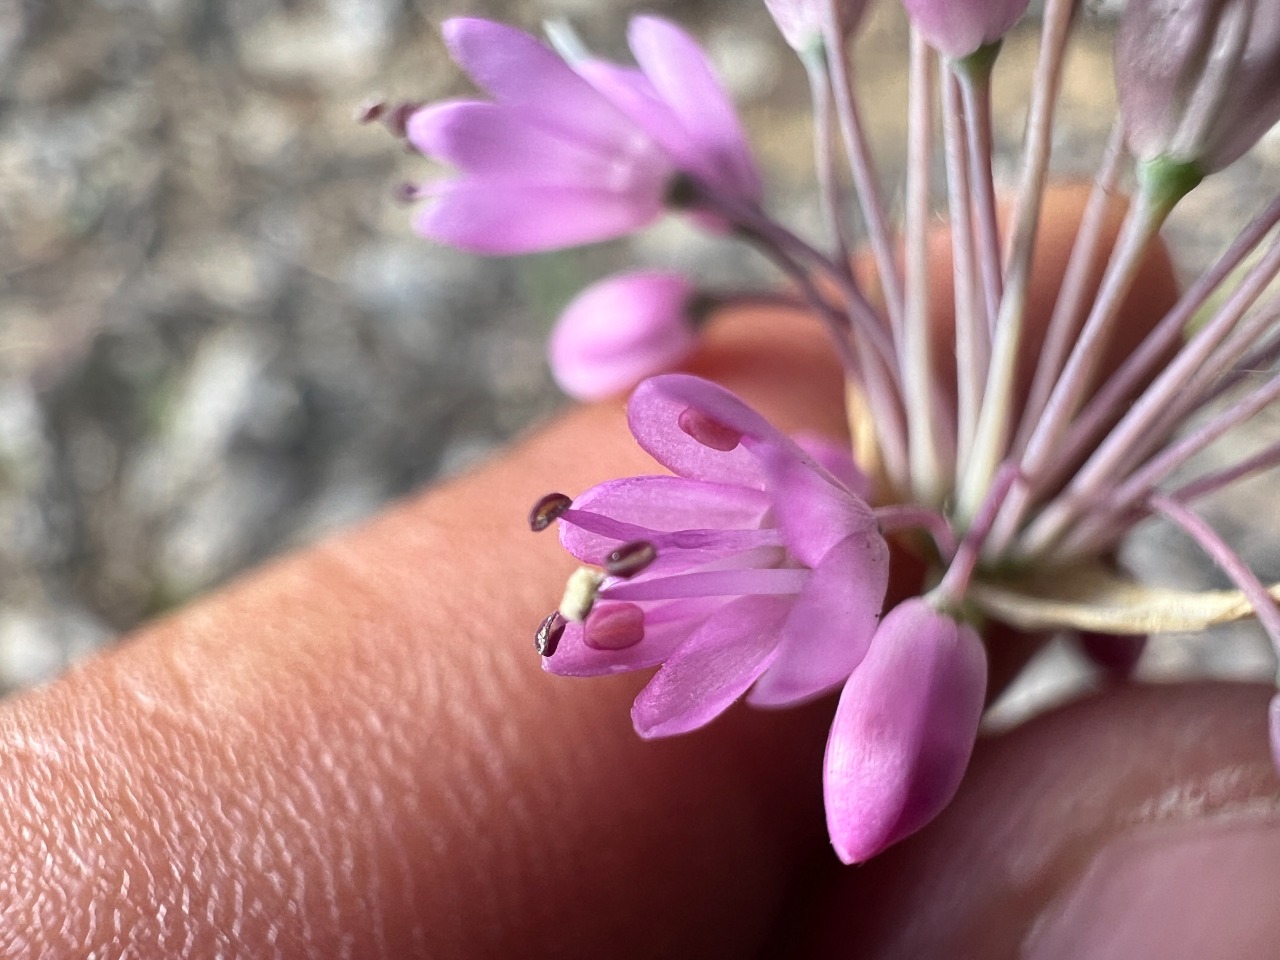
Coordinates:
(904, 729)
(1198, 80)
(803, 23)
(958, 28)
(621, 330)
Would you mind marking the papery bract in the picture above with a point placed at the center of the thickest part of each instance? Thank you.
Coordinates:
(958, 28)
(550, 163)
(621, 330)
(768, 570)
(904, 729)
(1198, 80)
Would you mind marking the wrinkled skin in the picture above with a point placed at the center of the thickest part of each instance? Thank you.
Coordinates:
(353, 753)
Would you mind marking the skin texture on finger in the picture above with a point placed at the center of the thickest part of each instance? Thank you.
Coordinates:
(1036, 807)
(353, 753)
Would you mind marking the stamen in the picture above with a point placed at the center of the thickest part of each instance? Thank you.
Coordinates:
(549, 633)
(630, 558)
(547, 510)
(615, 626)
(708, 432)
(580, 593)
(397, 118)
(406, 192)
(371, 110)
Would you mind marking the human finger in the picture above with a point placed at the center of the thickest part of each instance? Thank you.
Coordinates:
(1141, 823)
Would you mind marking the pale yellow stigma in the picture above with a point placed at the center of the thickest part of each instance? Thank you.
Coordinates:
(580, 593)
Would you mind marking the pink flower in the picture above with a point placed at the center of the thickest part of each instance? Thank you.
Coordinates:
(753, 568)
(564, 156)
(958, 28)
(904, 729)
(549, 163)
(621, 330)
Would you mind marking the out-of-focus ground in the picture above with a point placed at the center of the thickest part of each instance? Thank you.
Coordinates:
(220, 339)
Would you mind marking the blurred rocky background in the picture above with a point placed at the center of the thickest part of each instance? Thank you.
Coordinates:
(218, 337)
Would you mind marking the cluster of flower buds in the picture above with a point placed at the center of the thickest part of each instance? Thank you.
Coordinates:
(757, 567)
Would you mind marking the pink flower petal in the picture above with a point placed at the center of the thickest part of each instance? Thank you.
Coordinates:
(654, 415)
(487, 217)
(666, 626)
(662, 503)
(500, 143)
(771, 581)
(517, 70)
(829, 630)
(812, 510)
(715, 146)
(904, 730)
(711, 669)
(836, 459)
(631, 92)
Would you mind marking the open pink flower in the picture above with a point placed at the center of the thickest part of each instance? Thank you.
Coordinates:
(571, 154)
(549, 163)
(621, 330)
(904, 729)
(764, 572)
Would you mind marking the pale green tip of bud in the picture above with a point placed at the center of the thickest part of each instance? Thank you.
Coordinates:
(1165, 180)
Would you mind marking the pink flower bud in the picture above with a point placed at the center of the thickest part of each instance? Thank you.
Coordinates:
(621, 330)
(804, 23)
(958, 28)
(1198, 80)
(904, 729)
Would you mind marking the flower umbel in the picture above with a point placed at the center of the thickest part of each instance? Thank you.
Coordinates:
(758, 567)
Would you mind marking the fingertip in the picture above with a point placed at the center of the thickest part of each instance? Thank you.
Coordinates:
(1038, 806)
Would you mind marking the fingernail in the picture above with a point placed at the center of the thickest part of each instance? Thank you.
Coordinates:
(1191, 890)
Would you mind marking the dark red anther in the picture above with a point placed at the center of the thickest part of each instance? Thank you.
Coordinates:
(549, 633)
(630, 558)
(406, 192)
(708, 432)
(397, 117)
(371, 111)
(547, 510)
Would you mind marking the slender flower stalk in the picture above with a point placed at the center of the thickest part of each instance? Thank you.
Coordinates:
(974, 76)
(1069, 310)
(997, 414)
(824, 151)
(973, 336)
(757, 566)
(866, 183)
(926, 464)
